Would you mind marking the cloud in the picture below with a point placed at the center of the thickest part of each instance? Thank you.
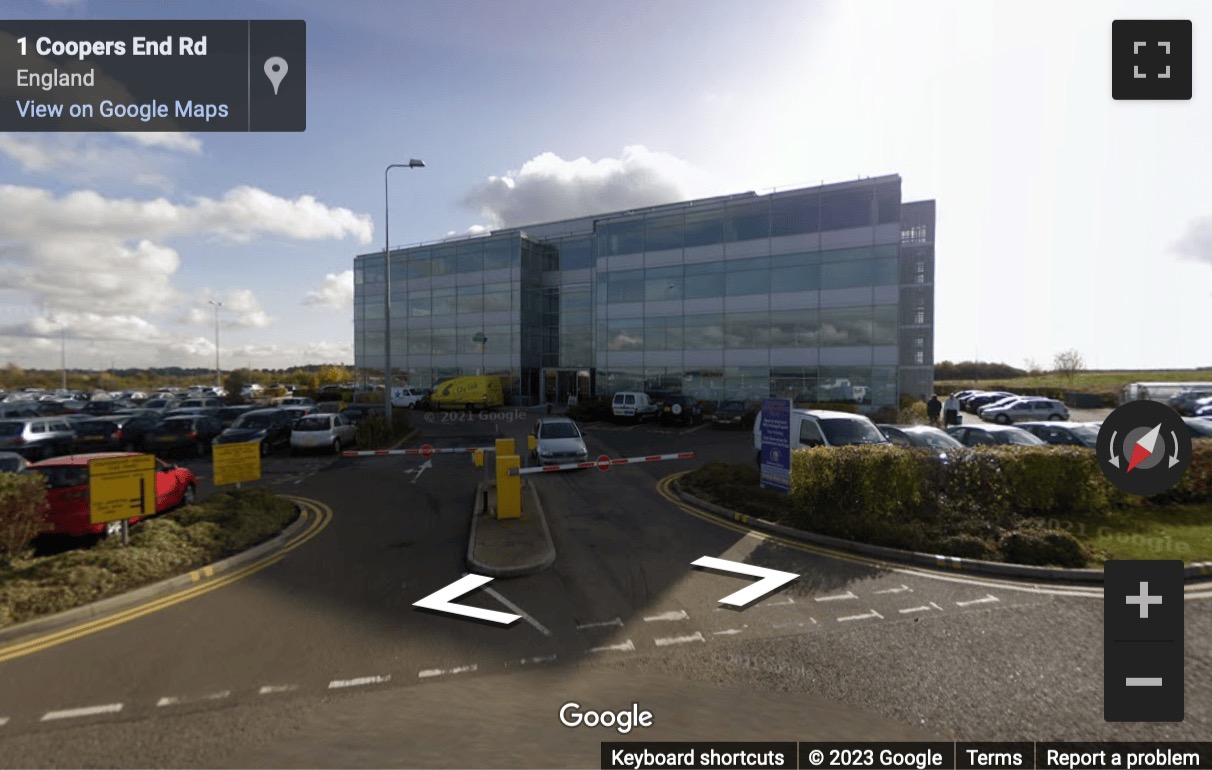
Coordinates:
(548, 188)
(167, 140)
(238, 309)
(336, 291)
(1196, 243)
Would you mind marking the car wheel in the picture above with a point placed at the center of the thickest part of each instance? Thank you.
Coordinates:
(336, 446)
(1056, 417)
(1002, 419)
(190, 496)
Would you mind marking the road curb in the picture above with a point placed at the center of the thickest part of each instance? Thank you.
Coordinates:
(1192, 573)
(515, 570)
(194, 577)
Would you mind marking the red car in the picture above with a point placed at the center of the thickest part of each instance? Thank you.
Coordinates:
(67, 493)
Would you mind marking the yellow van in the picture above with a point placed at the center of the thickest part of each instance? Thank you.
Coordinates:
(474, 392)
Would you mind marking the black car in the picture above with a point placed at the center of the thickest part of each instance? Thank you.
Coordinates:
(974, 403)
(269, 426)
(355, 413)
(1084, 434)
(190, 433)
(116, 432)
(734, 413)
(228, 414)
(104, 407)
(682, 409)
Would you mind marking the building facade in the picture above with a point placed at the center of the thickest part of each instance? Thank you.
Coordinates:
(817, 294)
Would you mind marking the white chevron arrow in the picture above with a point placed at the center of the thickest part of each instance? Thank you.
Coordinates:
(771, 579)
(442, 600)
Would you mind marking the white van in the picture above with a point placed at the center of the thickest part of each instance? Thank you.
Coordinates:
(633, 403)
(819, 427)
(407, 397)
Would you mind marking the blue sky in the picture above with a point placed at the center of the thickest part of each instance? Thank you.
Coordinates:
(1061, 211)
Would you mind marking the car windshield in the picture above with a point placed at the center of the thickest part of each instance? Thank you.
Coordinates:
(732, 405)
(313, 423)
(558, 430)
(10, 428)
(253, 421)
(1087, 434)
(1018, 437)
(63, 476)
(842, 431)
(9, 463)
(933, 439)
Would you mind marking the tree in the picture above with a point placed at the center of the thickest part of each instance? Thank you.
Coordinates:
(1068, 363)
(1033, 367)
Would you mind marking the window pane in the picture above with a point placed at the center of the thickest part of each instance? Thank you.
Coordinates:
(418, 303)
(849, 208)
(621, 238)
(443, 302)
(845, 326)
(664, 233)
(793, 216)
(888, 202)
(499, 253)
(883, 325)
(803, 278)
(443, 341)
(471, 299)
(746, 223)
(748, 282)
(704, 228)
(847, 275)
(883, 272)
(625, 334)
(747, 330)
(471, 257)
(497, 300)
(575, 254)
(702, 286)
(703, 332)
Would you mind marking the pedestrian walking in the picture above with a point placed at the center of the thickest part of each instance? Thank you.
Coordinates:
(934, 408)
(951, 410)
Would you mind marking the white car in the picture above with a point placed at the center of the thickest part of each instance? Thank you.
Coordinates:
(322, 431)
(558, 440)
(407, 397)
(633, 403)
(1025, 408)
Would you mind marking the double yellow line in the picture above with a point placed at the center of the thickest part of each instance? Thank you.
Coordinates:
(205, 582)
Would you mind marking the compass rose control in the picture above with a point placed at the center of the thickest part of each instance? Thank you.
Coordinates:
(1144, 447)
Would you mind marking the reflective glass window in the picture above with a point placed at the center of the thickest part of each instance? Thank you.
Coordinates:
(471, 257)
(499, 253)
(663, 283)
(625, 334)
(625, 286)
(883, 325)
(444, 260)
(418, 303)
(575, 253)
(704, 228)
(703, 286)
(703, 332)
(443, 302)
(663, 233)
(621, 238)
(746, 223)
(747, 282)
(747, 330)
(795, 215)
(802, 278)
(470, 299)
(497, 298)
(847, 275)
(443, 341)
(842, 326)
(793, 329)
(846, 208)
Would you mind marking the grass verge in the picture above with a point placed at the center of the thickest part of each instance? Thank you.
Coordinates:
(169, 545)
(1150, 532)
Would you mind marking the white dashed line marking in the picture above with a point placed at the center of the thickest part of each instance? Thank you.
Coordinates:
(627, 646)
(270, 689)
(988, 598)
(87, 711)
(537, 661)
(432, 672)
(872, 614)
(175, 701)
(902, 589)
(3, 721)
(935, 606)
(671, 615)
(337, 684)
(791, 625)
(729, 632)
(837, 597)
(924, 608)
(697, 636)
(602, 624)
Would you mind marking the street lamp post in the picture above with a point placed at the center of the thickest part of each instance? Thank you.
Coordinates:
(217, 306)
(412, 163)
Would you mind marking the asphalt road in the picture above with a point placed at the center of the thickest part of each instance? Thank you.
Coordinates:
(320, 659)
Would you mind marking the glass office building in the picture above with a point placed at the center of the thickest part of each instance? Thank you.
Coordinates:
(816, 294)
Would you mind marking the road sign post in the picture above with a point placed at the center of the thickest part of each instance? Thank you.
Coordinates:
(235, 463)
(120, 488)
(775, 431)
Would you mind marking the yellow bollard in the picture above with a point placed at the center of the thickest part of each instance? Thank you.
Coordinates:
(504, 446)
(509, 488)
(531, 441)
(477, 457)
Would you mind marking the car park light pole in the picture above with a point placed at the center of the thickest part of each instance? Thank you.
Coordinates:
(217, 306)
(412, 163)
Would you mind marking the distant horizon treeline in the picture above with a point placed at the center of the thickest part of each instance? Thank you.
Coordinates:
(13, 377)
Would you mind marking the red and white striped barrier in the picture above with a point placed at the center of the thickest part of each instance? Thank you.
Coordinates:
(425, 451)
(603, 463)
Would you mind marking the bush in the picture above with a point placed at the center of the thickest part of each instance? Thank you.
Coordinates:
(22, 512)
(373, 432)
(968, 547)
(1195, 486)
(1048, 547)
(590, 410)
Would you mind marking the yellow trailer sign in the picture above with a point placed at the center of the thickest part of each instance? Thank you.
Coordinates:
(121, 488)
(234, 463)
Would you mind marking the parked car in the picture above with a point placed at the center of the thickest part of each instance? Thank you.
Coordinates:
(117, 432)
(228, 414)
(408, 397)
(1026, 408)
(821, 427)
(1204, 411)
(183, 433)
(1083, 434)
(298, 411)
(633, 404)
(269, 426)
(68, 498)
(1198, 427)
(355, 413)
(160, 403)
(104, 406)
(37, 438)
(734, 413)
(991, 435)
(1188, 401)
(974, 402)
(682, 409)
(207, 405)
(922, 437)
(294, 401)
(558, 440)
(322, 431)
(11, 462)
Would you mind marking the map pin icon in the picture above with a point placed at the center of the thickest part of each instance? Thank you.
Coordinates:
(275, 70)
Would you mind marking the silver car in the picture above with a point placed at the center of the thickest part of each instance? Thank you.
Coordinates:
(37, 438)
(558, 440)
(322, 431)
(1025, 408)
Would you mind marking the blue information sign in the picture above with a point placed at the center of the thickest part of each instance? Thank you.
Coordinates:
(775, 434)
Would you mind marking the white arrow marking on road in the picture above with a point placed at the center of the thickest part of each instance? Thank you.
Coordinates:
(671, 615)
(665, 642)
(988, 598)
(510, 605)
(872, 614)
(417, 471)
(603, 624)
(902, 589)
(627, 646)
(835, 597)
(442, 600)
(771, 579)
